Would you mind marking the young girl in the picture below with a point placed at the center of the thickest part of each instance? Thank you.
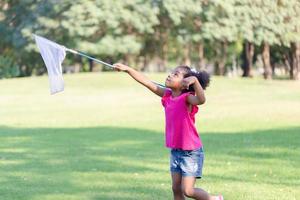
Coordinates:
(183, 92)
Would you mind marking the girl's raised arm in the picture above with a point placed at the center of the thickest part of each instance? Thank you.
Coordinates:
(139, 77)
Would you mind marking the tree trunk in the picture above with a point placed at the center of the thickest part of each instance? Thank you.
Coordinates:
(266, 61)
(298, 60)
(201, 64)
(248, 53)
(162, 67)
(186, 55)
(200, 46)
(295, 65)
(28, 70)
(80, 63)
(91, 65)
(129, 60)
(164, 37)
(287, 62)
(146, 62)
(221, 59)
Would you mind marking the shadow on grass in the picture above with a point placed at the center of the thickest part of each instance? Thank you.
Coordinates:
(115, 163)
(257, 157)
(102, 160)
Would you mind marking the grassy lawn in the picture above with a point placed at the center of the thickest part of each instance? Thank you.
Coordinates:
(103, 138)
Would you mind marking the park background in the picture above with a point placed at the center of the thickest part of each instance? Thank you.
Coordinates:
(103, 137)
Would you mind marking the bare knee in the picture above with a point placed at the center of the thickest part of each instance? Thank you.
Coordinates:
(188, 191)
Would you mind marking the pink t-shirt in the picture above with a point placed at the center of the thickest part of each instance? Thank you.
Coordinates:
(181, 132)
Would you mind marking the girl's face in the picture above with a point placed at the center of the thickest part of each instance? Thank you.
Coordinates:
(174, 79)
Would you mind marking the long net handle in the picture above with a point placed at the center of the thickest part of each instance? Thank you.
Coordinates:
(100, 61)
(89, 57)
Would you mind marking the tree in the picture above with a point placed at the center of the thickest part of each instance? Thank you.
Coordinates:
(245, 16)
(144, 30)
(268, 26)
(186, 17)
(110, 28)
(220, 27)
(291, 36)
(21, 20)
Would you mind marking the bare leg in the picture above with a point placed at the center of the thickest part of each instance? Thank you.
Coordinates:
(189, 190)
(176, 186)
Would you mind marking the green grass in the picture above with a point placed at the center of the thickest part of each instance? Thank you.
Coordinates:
(102, 138)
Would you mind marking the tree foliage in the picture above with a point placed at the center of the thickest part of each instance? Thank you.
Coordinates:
(191, 32)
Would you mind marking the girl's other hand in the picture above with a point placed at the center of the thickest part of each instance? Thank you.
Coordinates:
(121, 67)
(186, 82)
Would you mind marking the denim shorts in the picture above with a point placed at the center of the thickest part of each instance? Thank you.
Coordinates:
(187, 162)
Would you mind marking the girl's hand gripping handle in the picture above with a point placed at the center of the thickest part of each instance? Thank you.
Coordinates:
(121, 67)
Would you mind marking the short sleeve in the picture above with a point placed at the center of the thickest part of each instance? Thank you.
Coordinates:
(167, 94)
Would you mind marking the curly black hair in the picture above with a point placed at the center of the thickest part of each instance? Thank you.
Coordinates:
(202, 76)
